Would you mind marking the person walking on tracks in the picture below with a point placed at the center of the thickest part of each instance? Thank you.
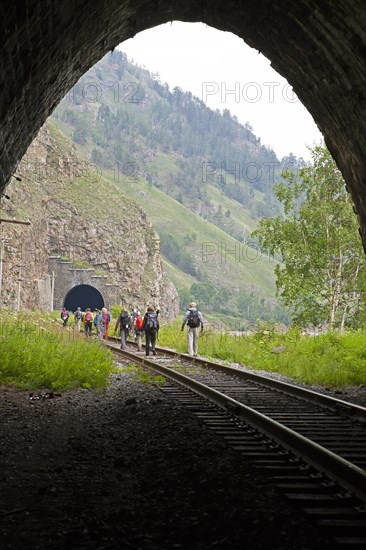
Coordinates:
(123, 321)
(88, 322)
(95, 319)
(78, 315)
(138, 330)
(65, 317)
(194, 321)
(101, 325)
(106, 320)
(151, 328)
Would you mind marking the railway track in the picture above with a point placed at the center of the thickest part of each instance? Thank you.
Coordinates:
(312, 446)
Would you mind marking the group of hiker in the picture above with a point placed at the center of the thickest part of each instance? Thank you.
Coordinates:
(100, 319)
(125, 324)
(128, 322)
(148, 325)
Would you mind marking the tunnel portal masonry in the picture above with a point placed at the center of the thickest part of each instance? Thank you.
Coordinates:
(74, 287)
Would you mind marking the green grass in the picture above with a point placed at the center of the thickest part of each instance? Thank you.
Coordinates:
(177, 276)
(36, 352)
(330, 360)
(245, 269)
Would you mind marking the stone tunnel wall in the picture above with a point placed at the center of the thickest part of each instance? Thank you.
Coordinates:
(320, 47)
(122, 246)
(67, 277)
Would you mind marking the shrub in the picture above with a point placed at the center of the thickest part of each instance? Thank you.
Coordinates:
(333, 359)
(36, 352)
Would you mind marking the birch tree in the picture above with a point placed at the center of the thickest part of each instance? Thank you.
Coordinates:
(322, 276)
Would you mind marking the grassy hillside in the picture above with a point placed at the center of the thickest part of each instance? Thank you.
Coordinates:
(210, 250)
(219, 259)
(154, 145)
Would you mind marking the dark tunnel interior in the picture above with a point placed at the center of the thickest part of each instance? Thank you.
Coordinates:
(83, 296)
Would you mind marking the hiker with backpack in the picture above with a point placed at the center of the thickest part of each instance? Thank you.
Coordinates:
(138, 330)
(88, 322)
(194, 320)
(78, 315)
(64, 317)
(123, 321)
(151, 328)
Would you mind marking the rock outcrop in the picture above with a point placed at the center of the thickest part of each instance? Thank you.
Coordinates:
(81, 218)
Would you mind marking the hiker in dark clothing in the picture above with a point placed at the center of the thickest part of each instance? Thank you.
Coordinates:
(123, 321)
(95, 320)
(151, 328)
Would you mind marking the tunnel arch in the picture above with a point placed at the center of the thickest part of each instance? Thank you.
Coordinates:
(83, 296)
(320, 49)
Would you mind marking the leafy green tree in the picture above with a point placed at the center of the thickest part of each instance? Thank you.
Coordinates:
(323, 271)
(222, 298)
(177, 254)
(204, 292)
(104, 113)
(185, 298)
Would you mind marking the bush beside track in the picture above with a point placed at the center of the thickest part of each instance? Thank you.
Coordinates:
(332, 360)
(36, 352)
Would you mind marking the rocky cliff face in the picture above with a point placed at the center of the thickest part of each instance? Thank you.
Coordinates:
(79, 217)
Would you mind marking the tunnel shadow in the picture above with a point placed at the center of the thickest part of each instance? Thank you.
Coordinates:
(83, 296)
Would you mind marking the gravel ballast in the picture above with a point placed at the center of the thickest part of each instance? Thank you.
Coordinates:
(129, 468)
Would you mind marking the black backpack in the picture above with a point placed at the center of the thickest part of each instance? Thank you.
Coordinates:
(193, 319)
(151, 322)
(125, 320)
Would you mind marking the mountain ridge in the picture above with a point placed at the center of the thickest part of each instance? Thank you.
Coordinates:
(83, 221)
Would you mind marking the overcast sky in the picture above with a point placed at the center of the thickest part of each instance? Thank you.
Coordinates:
(211, 63)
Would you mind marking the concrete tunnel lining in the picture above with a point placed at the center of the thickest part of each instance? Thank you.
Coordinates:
(319, 48)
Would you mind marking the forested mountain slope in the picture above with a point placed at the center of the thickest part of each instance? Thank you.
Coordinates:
(203, 178)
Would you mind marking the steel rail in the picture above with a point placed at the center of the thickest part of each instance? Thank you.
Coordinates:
(350, 409)
(351, 477)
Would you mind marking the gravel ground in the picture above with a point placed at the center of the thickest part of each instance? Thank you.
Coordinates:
(128, 468)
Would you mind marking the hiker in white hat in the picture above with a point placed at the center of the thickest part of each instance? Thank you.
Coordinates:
(194, 321)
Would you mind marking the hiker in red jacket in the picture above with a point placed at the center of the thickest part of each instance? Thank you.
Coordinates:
(64, 316)
(138, 330)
